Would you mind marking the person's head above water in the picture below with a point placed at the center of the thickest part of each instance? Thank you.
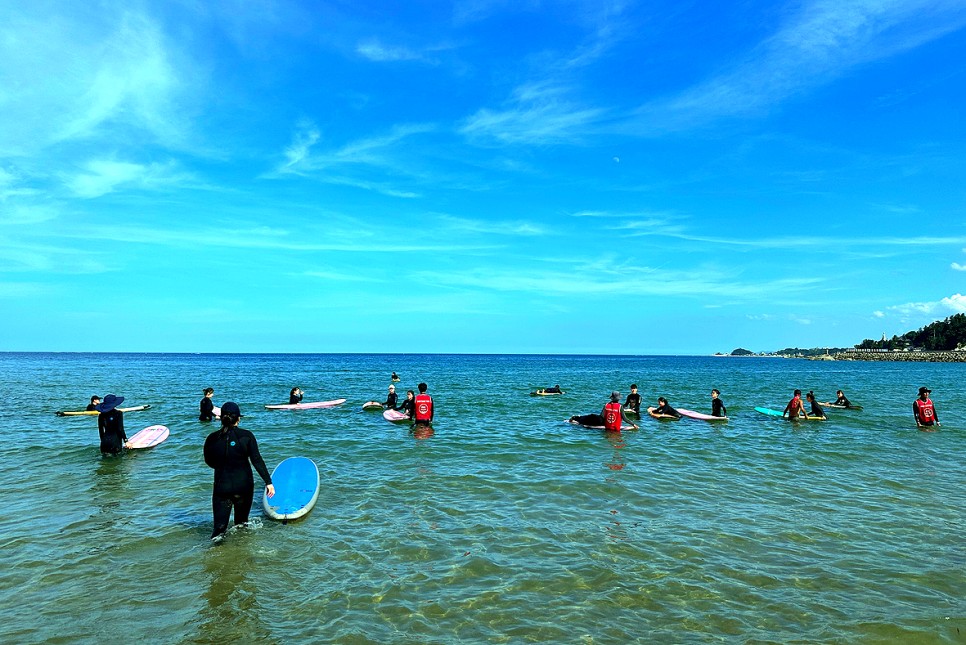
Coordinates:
(422, 388)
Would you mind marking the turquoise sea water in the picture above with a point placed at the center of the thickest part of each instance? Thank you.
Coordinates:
(506, 525)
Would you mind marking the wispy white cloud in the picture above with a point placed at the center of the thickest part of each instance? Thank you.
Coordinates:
(103, 176)
(375, 50)
(461, 226)
(536, 114)
(306, 136)
(957, 266)
(821, 41)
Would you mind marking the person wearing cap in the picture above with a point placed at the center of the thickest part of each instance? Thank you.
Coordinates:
(924, 410)
(391, 399)
(718, 408)
(663, 409)
(110, 425)
(613, 413)
(795, 407)
(295, 396)
(95, 401)
(231, 452)
(633, 402)
(207, 405)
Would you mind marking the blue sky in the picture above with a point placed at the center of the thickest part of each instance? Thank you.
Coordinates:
(479, 176)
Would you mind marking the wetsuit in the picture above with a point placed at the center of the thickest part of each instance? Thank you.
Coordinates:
(91, 407)
(391, 401)
(592, 420)
(925, 412)
(633, 402)
(110, 427)
(718, 408)
(408, 407)
(207, 410)
(817, 410)
(844, 402)
(551, 390)
(665, 408)
(294, 398)
(229, 451)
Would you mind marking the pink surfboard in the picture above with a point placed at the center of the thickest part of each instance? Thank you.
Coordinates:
(372, 405)
(395, 416)
(699, 415)
(148, 438)
(306, 406)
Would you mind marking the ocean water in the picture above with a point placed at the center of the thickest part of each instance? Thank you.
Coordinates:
(507, 524)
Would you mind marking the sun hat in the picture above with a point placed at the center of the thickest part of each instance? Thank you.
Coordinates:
(230, 407)
(109, 403)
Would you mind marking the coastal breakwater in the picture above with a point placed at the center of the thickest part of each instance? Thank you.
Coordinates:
(958, 356)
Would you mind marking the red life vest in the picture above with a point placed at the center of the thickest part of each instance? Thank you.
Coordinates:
(795, 407)
(927, 413)
(424, 407)
(612, 416)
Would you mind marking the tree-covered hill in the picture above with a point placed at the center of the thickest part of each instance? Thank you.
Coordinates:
(942, 335)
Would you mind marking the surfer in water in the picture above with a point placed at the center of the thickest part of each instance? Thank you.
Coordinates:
(207, 406)
(817, 410)
(232, 451)
(664, 409)
(795, 407)
(423, 407)
(409, 405)
(390, 403)
(633, 402)
(611, 418)
(840, 401)
(95, 401)
(394, 378)
(110, 425)
(718, 408)
(295, 396)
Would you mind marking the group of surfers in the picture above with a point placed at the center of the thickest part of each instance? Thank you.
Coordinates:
(232, 451)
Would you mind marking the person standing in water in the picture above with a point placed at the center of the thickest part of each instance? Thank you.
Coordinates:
(207, 406)
(391, 398)
(110, 425)
(633, 402)
(231, 452)
(423, 407)
(924, 411)
(409, 405)
(718, 408)
(795, 407)
(613, 414)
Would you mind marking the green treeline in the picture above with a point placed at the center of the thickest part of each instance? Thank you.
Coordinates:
(940, 336)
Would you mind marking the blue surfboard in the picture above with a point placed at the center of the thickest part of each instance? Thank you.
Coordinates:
(777, 413)
(296, 482)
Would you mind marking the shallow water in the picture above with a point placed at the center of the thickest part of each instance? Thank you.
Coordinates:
(507, 524)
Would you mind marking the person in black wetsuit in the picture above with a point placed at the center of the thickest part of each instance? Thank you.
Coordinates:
(295, 396)
(232, 451)
(95, 401)
(409, 405)
(207, 405)
(817, 410)
(391, 398)
(842, 399)
(663, 407)
(718, 408)
(110, 425)
(633, 402)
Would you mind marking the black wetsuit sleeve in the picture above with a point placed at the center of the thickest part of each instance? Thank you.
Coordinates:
(100, 424)
(215, 449)
(120, 426)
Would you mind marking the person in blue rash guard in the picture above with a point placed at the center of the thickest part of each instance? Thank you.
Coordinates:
(232, 451)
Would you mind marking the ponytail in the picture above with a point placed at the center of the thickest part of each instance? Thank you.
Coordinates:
(228, 420)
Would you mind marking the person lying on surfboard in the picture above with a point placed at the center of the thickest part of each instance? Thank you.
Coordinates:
(95, 401)
(663, 409)
(842, 401)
